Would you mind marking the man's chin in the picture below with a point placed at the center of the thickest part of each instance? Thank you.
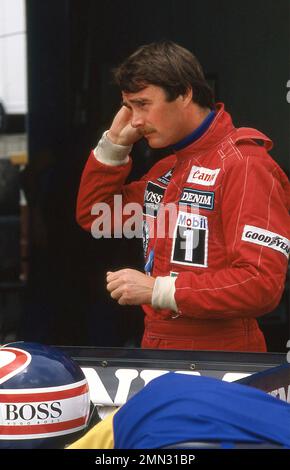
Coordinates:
(153, 142)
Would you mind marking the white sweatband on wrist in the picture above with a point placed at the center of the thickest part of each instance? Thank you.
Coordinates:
(111, 154)
(163, 293)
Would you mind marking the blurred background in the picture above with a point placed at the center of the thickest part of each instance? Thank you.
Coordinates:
(57, 97)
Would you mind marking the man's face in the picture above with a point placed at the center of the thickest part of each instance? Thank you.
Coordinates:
(160, 121)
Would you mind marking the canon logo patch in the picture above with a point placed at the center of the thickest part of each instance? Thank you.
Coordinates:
(203, 176)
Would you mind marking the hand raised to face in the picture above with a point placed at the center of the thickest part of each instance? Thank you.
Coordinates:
(121, 131)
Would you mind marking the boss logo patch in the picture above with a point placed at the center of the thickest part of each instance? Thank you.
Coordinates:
(152, 198)
(263, 237)
(190, 244)
(203, 176)
(195, 198)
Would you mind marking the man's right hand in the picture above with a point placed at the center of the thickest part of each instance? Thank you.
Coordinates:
(121, 132)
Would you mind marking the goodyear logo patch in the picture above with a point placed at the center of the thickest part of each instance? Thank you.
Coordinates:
(266, 238)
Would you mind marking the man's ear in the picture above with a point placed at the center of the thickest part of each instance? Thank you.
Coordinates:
(187, 97)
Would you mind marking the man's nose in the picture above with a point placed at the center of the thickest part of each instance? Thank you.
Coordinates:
(137, 120)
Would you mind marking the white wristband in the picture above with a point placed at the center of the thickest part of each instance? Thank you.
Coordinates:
(111, 154)
(163, 293)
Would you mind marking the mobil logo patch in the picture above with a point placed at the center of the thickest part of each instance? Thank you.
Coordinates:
(203, 176)
(190, 243)
(12, 361)
(196, 198)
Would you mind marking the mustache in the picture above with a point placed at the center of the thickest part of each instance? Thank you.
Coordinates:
(146, 130)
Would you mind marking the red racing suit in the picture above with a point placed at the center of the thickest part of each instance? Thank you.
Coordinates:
(229, 244)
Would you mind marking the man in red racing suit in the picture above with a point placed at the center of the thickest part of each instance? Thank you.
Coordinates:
(223, 259)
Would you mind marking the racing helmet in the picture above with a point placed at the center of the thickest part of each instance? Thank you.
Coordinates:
(44, 397)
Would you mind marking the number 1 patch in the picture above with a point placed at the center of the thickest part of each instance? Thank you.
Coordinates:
(190, 243)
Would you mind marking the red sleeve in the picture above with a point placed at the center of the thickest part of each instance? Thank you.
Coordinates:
(253, 281)
(99, 184)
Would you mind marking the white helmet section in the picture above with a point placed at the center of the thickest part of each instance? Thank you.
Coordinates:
(43, 393)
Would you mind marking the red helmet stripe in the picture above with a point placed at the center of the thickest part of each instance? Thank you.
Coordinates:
(35, 429)
(18, 363)
(43, 396)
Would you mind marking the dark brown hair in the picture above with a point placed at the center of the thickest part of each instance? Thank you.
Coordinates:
(168, 65)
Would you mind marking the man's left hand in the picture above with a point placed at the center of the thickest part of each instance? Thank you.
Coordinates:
(130, 287)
